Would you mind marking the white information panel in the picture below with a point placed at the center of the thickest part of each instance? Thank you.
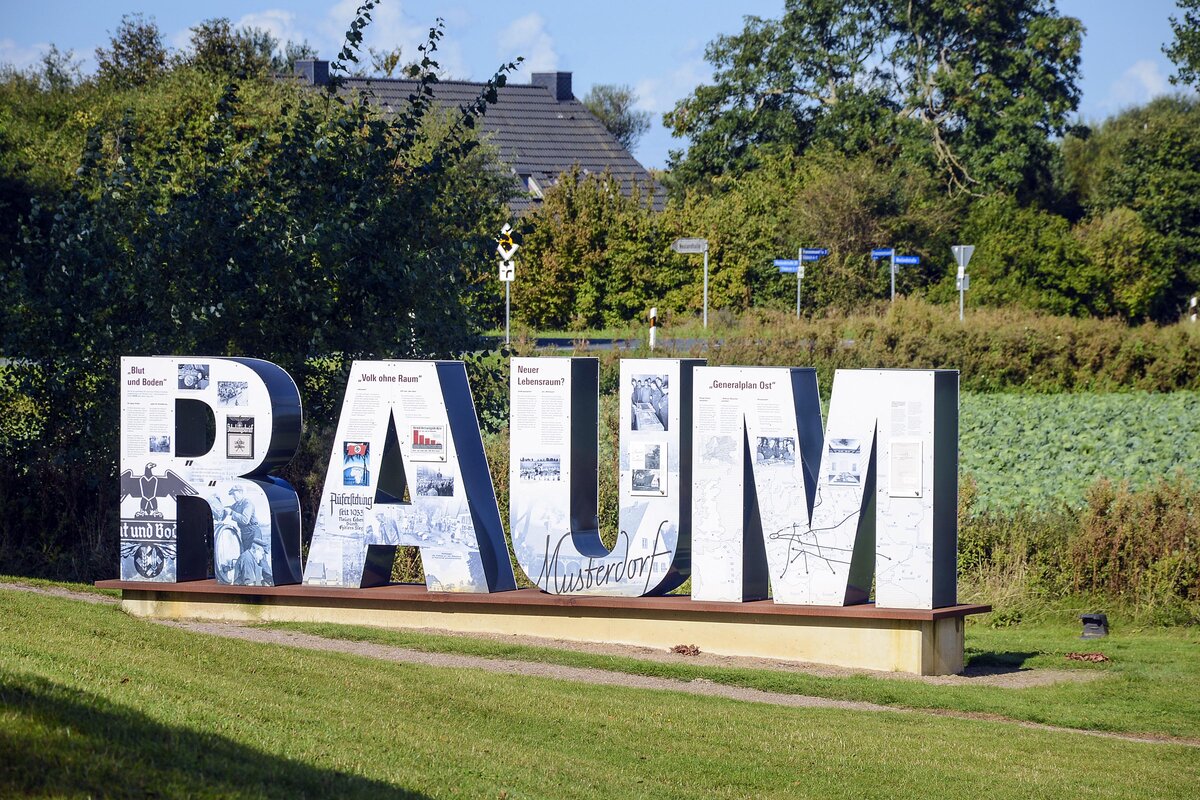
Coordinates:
(750, 493)
(407, 469)
(553, 482)
(251, 519)
(770, 488)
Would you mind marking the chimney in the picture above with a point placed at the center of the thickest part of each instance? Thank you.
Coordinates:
(558, 84)
(314, 71)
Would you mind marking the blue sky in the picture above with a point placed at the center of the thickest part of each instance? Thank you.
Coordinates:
(655, 46)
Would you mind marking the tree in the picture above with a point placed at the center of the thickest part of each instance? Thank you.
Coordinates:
(310, 235)
(285, 61)
(135, 56)
(217, 48)
(978, 88)
(1147, 160)
(1028, 257)
(1184, 51)
(59, 71)
(614, 106)
(1128, 256)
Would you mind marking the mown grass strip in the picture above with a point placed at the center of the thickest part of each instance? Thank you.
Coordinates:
(94, 702)
(40, 583)
(1150, 686)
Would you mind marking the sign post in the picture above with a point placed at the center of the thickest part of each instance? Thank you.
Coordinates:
(962, 256)
(693, 246)
(894, 261)
(806, 254)
(507, 248)
(796, 265)
(890, 254)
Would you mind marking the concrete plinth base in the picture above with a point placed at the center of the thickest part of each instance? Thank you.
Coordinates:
(925, 642)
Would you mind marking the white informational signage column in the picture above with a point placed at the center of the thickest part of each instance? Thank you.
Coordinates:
(408, 469)
(167, 457)
(751, 490)
(553, 475)
(916, 495)
(770, 488)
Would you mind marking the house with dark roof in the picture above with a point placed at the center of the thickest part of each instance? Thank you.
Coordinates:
(539, 129)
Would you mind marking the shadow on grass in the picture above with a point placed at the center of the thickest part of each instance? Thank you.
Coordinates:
(996, 663)
(56, 741)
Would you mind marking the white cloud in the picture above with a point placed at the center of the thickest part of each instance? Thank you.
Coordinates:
(180, 40)
(527, 36)
(25, 56)
(659, 94)
(21, 56)
(389, 27)
(1142, 82)
(277, 22)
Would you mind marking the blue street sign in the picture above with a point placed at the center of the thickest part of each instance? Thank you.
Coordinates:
(792, 267)
(787, 262)
(817, 252)
(882, 252)
(807, 256)
(908, 260)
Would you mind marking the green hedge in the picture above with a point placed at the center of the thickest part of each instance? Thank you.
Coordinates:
(995, 350)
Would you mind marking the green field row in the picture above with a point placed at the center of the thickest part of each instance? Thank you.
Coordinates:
(1037, 450)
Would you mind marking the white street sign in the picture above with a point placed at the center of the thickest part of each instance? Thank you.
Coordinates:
(962, 255)
(507, 270)
(690, 246)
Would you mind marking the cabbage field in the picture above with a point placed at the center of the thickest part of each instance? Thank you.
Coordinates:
(1036, 450)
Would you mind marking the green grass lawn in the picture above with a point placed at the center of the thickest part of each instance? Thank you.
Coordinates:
(93, 702)
(1151, 685)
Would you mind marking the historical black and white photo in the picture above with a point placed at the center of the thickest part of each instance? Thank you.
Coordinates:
(241, 544)
(647, 467)
(239, 437)
(233, 393)
(646, 481)
(160, 444)
(649, 404)
(193, 376)
(842, 458)
(433, 482)
(541, 468)
(775, 450)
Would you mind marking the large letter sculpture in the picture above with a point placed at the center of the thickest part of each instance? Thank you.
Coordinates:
(553, 477)
(170, 461)
(875, 496)
(409, 428)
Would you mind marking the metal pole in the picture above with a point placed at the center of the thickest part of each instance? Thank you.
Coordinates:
(507, 308)
(893, 262)
(799, 272)
(706, 286)
(960, 300)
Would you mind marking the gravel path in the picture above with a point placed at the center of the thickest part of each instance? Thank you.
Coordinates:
(602, 677)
